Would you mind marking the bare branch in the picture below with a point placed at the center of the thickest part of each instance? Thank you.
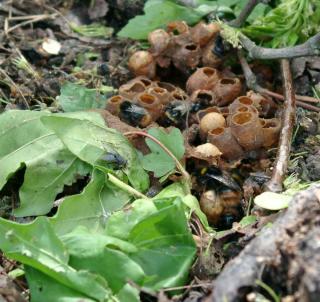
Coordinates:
(310, 48)
(252, 83)
(245, 13)
(288, 120)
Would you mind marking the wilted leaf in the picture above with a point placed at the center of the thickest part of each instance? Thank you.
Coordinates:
(272, 201)
(75, 97)
(158, 161)
(49, 165)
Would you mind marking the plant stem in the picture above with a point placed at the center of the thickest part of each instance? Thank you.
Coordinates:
(288, 120)
(181, 169)
(120, 184)
(309, 48)
(245, 13)
(252, 83)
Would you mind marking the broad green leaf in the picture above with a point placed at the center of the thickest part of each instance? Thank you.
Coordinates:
(91, 208)
(90, 141)
(164, 236)
(128, 294)
(121, 223)
(157, 13)
(44, 288)
(176, 190)
(46, 179)
(160, 231)
(49, 166)
(158, 161)
(74, 97)
(114, 266)
(103, 255)
(83, 243)
(37, 245)
(272, 201)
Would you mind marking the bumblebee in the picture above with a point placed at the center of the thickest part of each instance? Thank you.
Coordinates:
(219, 48)
(176, 112)
(134, 114)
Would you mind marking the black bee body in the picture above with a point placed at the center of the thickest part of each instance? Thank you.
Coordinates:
(176, 112)
(115, 160)
(219, 48)
(132, 113)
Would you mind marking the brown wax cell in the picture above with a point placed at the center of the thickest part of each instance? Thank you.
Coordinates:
(202, 33)
(152, 104)
(131, 89)
(271, 131)
(204, 97)
(247, 129)
(227, 90)
(203, 78)
(162, 94)
(159, 41)
(142, 63)
(113, 104)
(223, 139)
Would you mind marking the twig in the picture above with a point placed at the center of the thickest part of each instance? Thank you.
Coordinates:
(183, 172)
(120, 184)
(29, 20)
(252, 83)
(246, 11)
(309, 48)
(288, 120)
(15, 86)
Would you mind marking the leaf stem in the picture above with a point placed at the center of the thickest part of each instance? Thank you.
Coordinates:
(120, 184)
(179, 166)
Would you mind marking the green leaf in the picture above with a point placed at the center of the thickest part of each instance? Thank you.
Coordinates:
(247, 220)
(46, 179)
(157, 13)
(164, 236)
(121, 223)
(291, 22)
(91, 208)
(49, 166)
(83, 243)
(177, 190)
(272, 201)
(128, 294)
(160, 231)
(89, 141)
(74, 97)
(36, 245)
(44, 288)
(158, 161)
(93, 30)
(103, 255)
